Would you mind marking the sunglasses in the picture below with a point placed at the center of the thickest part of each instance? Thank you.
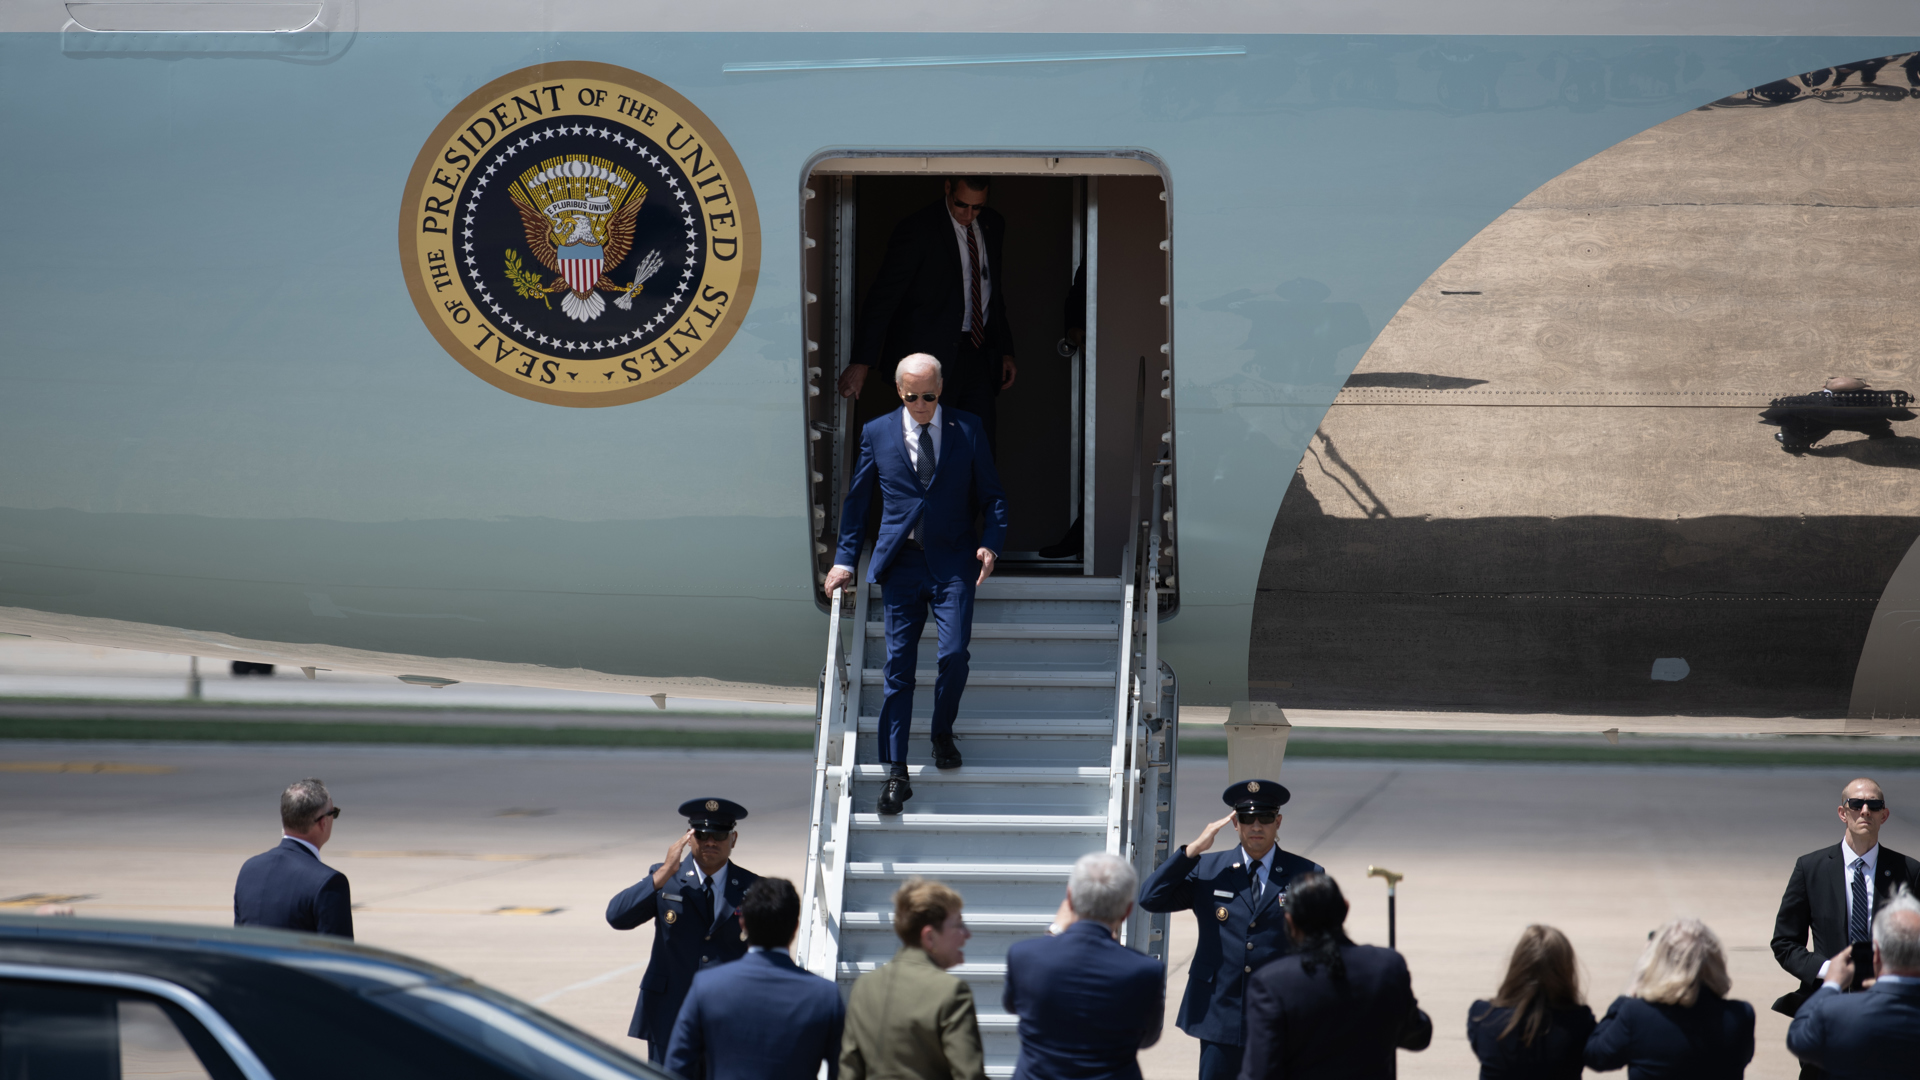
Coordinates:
(709, 837)
(1245, 818)
(930, 398)
(333, 813)
(970, 207)
(1875, 805)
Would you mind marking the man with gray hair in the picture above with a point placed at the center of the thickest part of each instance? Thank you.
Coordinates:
(289, 887)
(1875, 1033)
(1087, 1004)
(935, 472)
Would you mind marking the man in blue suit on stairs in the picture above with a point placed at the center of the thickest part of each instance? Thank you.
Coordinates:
(935, 473)
(760, 1017)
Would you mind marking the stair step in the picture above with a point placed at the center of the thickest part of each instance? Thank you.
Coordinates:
(1009, 587)
(1038, 631)
(856, 968)
(929, 774)
(883, 920)
(997, 1022)
(888, 871)
(1038, 679)
(1032, 725)
(1012, 823)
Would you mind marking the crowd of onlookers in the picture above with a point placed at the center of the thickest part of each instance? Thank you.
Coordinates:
(1087, 1004)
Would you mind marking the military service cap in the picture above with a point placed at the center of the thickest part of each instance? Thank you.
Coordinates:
(712, 815)
(1256, 795)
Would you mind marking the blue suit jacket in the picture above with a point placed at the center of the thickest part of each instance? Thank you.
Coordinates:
(681, 948)
(964, 483)
(1711, 1039)
(1870, 1034)
(1219, 892)
(1309, 1027)
(758, 1018)
(1087, 1004)
(291, 889)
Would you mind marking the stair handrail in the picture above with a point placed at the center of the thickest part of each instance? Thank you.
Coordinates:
(1123, 767)
(836, 729)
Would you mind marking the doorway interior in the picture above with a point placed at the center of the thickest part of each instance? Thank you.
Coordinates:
(1087, 286)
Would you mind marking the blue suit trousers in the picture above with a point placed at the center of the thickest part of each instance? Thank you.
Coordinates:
(909, 590)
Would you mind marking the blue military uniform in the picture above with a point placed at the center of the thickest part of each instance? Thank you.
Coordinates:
(1241, 928)
(685, 940)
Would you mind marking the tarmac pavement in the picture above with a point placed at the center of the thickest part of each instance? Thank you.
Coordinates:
(499, 862)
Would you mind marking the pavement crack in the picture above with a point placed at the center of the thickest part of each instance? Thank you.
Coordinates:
(1352, 811)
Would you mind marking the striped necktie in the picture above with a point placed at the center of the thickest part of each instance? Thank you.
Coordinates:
(1859, 915)
(978, 314)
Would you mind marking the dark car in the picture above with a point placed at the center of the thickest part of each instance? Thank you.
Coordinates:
(98, 999)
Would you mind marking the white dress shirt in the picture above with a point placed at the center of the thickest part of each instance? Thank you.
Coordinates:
(782, 950)
(966, 277)
(910, 430)
(1848, 858)
(302, 843)
(1873, 865)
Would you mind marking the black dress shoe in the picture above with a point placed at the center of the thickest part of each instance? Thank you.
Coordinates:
(897, 792)
(945, 754)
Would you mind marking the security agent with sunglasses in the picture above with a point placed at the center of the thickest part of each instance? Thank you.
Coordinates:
(693, 894)
(289, 887)
(939, 291)
(1834, 892)
(935, 474)
(1239, 898)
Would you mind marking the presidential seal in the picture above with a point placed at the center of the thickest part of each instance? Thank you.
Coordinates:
(578, 234)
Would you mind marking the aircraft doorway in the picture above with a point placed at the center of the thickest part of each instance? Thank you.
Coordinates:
(1084, 277)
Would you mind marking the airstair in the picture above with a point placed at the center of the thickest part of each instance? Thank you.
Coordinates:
(1068, 728)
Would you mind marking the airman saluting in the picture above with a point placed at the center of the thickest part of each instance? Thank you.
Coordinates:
(694, 893)
(1239, 898)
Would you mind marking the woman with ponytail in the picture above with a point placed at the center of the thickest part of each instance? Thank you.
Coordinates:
(1329, 1010)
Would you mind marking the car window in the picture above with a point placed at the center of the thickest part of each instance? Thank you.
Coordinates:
(95, 1033)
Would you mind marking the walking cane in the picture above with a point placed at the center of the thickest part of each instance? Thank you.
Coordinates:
(1393, 879)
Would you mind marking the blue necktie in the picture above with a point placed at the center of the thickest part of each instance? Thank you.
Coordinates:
(925, 468)
(1858, 917)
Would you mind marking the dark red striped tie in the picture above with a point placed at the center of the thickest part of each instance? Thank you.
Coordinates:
(979, 316)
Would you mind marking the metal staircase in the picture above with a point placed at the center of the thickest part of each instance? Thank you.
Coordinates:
(1068, 730)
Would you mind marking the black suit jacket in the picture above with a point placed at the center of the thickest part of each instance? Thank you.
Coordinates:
(917, 302)
(290, 889)
(1306, 1027)
(1816, 901)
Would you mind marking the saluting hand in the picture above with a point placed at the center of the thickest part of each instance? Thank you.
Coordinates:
(1205, 841)
(669, 865)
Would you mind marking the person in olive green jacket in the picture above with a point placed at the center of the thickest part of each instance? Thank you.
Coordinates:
(910, 1020)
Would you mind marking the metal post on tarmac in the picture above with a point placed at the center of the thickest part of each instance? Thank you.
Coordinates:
(1393, 880)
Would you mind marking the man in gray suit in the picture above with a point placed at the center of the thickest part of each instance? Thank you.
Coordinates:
(1874, 1033)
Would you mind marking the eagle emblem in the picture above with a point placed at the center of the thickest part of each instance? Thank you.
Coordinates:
(712, 805)
(1253, 787)
(578, 213)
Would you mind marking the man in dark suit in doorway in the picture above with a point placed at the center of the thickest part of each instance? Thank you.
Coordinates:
(289, 887)
(935, 475)
(938, 292)
(1833, 894)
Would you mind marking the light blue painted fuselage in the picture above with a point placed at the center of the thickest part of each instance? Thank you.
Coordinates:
(222, 421)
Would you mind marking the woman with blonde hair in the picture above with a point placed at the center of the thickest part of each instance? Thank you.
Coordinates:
(1676, 1020)
(1536, 1027)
